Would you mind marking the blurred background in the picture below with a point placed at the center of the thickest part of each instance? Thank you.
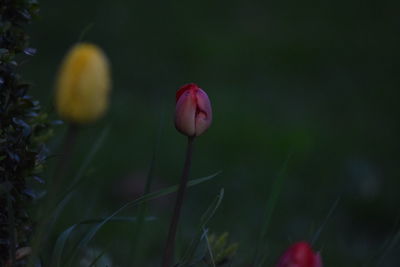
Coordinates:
(314, 80)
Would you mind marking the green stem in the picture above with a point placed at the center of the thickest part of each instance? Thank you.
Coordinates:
(169, 248)
(64, 160)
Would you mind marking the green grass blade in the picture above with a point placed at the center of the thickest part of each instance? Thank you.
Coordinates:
(209, 248)
(60, 244)
(376, 257)
(88, 159)
(85, 31)
(327, 218)
(89, 236)
(212, 209)
(142, 210)
(72, 188)
(64, 236)
(205, 218)
(67, 195)
(101, 254)
(391, 245)
(269, 210)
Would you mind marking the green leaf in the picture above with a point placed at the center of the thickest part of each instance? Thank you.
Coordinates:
(60, 244)
(166, 191)
(64, 236)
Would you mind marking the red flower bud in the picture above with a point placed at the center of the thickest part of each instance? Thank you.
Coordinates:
(300, 254)
(193, 113)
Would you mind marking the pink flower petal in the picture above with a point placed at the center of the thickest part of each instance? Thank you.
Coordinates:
(185, 113)
(204, 112)
(300, 254)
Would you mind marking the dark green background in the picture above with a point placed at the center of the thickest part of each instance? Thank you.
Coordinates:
(317, 79)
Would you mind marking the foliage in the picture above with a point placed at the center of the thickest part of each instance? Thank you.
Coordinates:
(23, 129)
(222, 250)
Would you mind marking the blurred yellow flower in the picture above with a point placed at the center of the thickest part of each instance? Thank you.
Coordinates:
(83, 84)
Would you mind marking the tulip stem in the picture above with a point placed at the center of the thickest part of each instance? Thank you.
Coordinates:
(63, 165)
(65, 157)
(169, 248)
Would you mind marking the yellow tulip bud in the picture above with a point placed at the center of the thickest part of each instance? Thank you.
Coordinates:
(83, 84)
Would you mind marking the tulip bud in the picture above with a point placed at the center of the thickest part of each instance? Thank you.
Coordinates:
(300, 254)
(193, 113)
(83, 84)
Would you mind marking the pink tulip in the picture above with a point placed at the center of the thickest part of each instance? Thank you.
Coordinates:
(193, 113)
(300, 254)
